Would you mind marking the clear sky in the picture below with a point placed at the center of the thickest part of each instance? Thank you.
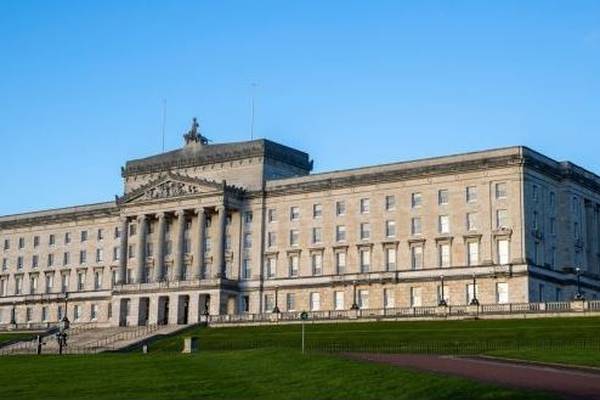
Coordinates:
(353, 83)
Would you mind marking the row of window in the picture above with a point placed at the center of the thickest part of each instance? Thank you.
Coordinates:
(45, 314)
(49, 283)
(21, 242)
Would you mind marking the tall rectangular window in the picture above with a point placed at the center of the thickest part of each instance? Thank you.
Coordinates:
(317, 210)
(415, 227)
(444, 224)
(82, 257)
(416, 255)
(271, 267)
(363, 299)
(67, 237)
(473, 253)
(271, 239)
(97, 280)
(502, 219)
(294, 238)
(416, 200)
(471, 221)
(388, 298)
(471, 194)
(315, 301)
(290, 302)
(365, 206)
(444, 255)
(100, 254)
(390, 229)
(503, 251)
(247, 240)
(338, 299)
(390, 202)
(294, 264)
(246, 269)
(502, 293)
(272, 215)
(443, 197)
(317, 235)
(84, 236)
(294, 213)
(501, 190)
(365, 260)
(415, 297)
(390, 258)
(340, 208)
(340, 262)
(80, 280)
(365, 231)
(317, 263)
(340, 233)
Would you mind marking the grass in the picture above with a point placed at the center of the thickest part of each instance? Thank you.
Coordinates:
(11, 337)
(564, 340)
(246, 374)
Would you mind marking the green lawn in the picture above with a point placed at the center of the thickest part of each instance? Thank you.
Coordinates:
(11, 337)
(568, 340)
(243, 374)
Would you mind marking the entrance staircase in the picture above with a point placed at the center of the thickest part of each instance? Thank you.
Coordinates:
(92, 340)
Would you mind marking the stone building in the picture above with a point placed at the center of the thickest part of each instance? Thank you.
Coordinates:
(234, 228)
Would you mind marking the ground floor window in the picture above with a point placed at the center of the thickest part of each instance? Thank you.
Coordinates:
(388, 298)
(363, 298)
(338, 299)
(291, 302)
(415, 297)
(502, 293)
(315, 301)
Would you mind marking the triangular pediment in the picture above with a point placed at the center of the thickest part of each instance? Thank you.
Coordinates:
(172, 185)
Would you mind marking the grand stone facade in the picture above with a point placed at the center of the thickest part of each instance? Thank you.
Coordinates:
(246, 228)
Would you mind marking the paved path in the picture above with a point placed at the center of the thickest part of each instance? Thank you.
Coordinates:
(571, 383)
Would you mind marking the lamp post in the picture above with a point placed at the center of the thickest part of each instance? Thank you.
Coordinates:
(276, 308)
(354, 303)
(474, 301)
(442, 302)
(13, 314)
(63, 325)
(578, 295)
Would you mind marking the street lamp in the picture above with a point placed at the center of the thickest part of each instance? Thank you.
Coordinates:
(354, 303)
(578, 295)
(442, 302)
(276, 308)
(63, 325)
(13, 315)
(474, 301)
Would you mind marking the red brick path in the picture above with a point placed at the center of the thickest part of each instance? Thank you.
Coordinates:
(571, 383)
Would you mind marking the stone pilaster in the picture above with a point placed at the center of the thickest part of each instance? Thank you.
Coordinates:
(219, 264)
(141, 249)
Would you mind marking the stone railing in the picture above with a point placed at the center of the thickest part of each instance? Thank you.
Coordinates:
(430, 312)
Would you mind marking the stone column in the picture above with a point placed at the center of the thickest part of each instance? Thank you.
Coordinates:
(178, 253)
(141, 249)
(219, 264)
(159, 248)
(199, 247)
(123, 251)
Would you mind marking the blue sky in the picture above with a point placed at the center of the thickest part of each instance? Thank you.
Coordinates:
(352, 83)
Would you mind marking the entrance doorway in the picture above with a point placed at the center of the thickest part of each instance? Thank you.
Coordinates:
(163, 310)
(124, 312)
(143, 311)
(183, 309)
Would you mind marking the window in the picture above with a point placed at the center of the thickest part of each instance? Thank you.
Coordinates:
(18, 284)
(553, 226)
(294, 213)
(443, 197)
(51, 259)
(100, 234)
(271, 239)
(338, 300)
(317, 236)
(272, 215)
(471, 194)
(269, 303)
(294, 261)
(415, 297)
(271, 267)
(84, 235)
(21, 243)
(246, 269)
(552, 199)
(340, 208)
(472, 253)
(390, 229)
(247, 240)
(76, 312)
(365, 206)
(29, 314)
(416, 200)
(34, 261)
(340, 262)
(150, 248)
(113, 277)
(501, 190)
(33, 283)
(293, 237)
(552, 259)
(248, 217)
(502, 219)
(44, 314)
(365, 231)
(415, 226)
(36, 241)
(4, 264)
(116, 233)
(388, 298)
(245, 306)
(416, 255)
(472, 221)
(503, 251)
(93, 312)
(444, 255)
(472, 292)
(340, 233)
(502, 293)
(444, 224)
(365, 260)
(317, 210)
(536, 222)
(390, 203)
(100, 254)
(534, 192)
(363, 299)
(6, 244)
(64, 283)
(130, 251)
(290, 301)
(446, 294)
(317, 263)
(82, 257)
(20, 262)
(80, 280)
(97, 280)
(315, 301)
(67, 237)
(3, 285)
(390, 259)
(133, 228)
